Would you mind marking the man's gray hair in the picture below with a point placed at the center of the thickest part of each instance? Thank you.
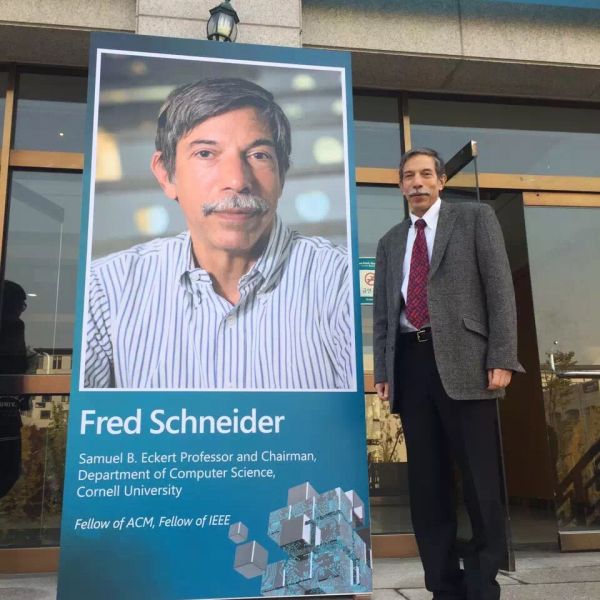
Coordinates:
(193, 103)
(440, 165)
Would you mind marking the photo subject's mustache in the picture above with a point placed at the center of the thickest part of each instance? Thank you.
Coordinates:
(246, 202)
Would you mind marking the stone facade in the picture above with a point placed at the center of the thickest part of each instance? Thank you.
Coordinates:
(464, 46)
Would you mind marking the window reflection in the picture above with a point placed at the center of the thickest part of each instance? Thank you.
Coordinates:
(379, 208)
(513, 138)
(14, 356)
(377, 131)
(41, 256)
(30, 511)
(564, 277)
(388, 475)
(50, 112)
(564, 253)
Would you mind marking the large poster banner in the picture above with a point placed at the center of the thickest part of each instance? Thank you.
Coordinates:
(216, 443)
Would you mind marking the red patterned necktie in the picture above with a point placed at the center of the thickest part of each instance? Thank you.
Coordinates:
(416, 304)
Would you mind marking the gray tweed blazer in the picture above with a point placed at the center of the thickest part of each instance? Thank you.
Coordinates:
(470, 296)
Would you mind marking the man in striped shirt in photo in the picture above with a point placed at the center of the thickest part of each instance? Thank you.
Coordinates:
(239, 301)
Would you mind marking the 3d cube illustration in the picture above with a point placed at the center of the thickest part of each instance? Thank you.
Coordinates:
(333, 572)
(305, 507)
(326, 567)
(300, 571)
(336, 530)
(276, 517)
(238, 532)
(299, 536)
(359, 548)
(300, 493)
(274, 577)
(332, 502)
(363, 576)
(288, 590)
(250, 560)
(326, 554)
(358, 507)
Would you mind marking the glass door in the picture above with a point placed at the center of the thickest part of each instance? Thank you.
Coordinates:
(564, 254)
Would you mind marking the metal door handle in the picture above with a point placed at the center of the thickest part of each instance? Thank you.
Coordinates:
(587, 374)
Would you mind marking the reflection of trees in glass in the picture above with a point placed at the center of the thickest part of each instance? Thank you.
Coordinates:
(556, 390)
(57, 448)
(39, 489)
(385, 438)
(573, 418)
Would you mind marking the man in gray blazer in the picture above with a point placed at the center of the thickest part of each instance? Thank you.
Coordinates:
(445, 341)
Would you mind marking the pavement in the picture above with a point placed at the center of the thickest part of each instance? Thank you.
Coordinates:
(541, 574)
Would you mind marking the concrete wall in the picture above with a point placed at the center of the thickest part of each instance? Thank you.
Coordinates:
(470, 46)
(56, 32)
(116, 15)
(464, 46)
(261, 21)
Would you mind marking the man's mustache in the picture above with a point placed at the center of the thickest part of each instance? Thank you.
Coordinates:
(246, 202)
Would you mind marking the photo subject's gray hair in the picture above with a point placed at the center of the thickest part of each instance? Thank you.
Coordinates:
(193, 103)
(440, 165)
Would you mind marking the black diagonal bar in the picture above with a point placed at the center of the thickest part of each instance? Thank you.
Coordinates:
(461, 159)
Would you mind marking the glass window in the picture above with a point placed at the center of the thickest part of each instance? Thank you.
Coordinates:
(31, 502)
(50, 112)
(379, 208)
(377, 131)
(564, 278)
(564, 252)
(512, 138)
(41, 268)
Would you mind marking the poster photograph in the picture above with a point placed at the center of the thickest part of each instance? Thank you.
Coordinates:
(216, 444)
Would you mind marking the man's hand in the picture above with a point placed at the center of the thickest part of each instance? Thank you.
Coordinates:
(382, 390)
(498, 379)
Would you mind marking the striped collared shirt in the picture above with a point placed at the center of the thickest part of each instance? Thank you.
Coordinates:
(154, 319)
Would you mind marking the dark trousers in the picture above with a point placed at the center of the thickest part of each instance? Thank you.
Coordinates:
(437, 430)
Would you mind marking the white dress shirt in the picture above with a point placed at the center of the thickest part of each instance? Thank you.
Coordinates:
(431, 219)
(155, 321)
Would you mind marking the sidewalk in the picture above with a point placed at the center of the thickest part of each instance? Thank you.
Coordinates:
(540, 574)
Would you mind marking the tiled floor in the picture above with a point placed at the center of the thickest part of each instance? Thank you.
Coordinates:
(540, 574)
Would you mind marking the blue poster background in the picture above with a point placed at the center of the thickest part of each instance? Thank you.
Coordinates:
(177, 544)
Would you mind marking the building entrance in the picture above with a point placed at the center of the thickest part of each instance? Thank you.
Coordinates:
(551, 425)
(564, 253)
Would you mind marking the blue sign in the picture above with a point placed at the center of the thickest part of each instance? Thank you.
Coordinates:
(216, 443)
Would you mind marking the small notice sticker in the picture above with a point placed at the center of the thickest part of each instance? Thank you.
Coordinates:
(366, 269)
